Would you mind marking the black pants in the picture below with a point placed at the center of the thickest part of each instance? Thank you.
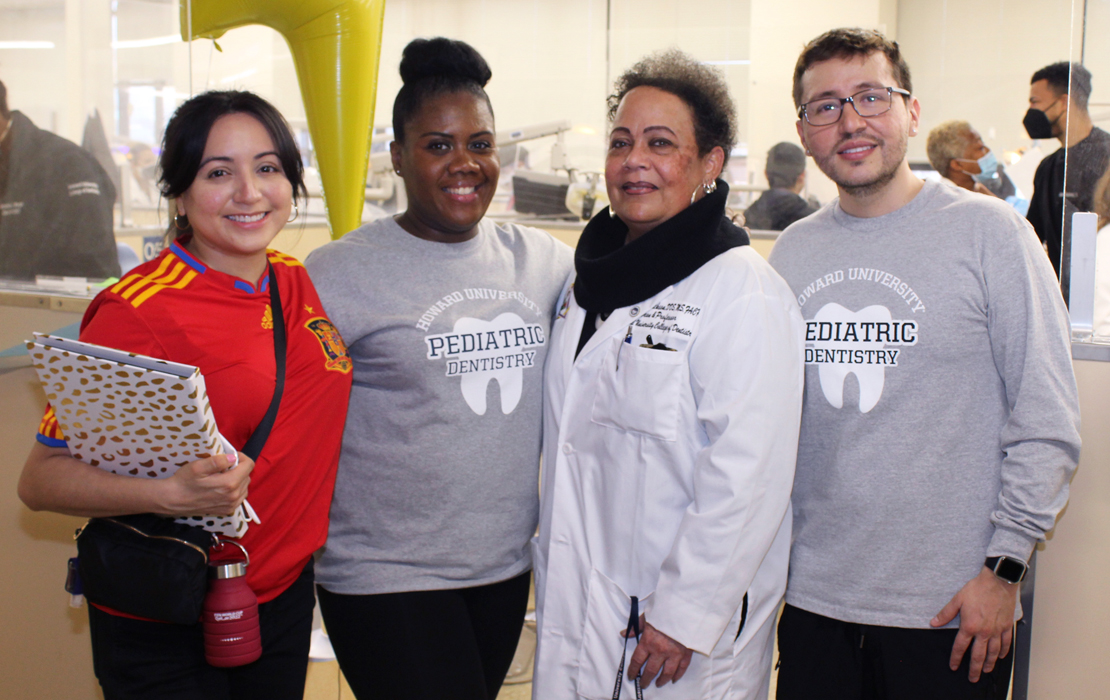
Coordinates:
(427, 645)
(143, 660)
(820, 657)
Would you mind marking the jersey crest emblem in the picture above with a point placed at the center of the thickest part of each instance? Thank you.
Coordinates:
(335, 350)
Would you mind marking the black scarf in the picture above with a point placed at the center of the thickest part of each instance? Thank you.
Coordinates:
(612, 275)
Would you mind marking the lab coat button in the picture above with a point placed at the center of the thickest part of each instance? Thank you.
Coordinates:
(634, 311)
(567, 449)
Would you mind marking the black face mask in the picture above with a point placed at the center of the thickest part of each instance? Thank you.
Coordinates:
(1037, 125)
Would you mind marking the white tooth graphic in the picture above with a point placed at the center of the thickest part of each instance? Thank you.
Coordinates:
(493, 350)
(832, 319)
(474, 389)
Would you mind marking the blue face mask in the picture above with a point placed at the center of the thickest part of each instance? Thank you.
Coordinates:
(988, 168)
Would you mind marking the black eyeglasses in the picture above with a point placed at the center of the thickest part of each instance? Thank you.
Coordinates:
(868, 103)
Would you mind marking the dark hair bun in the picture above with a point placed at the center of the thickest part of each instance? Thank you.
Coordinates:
(443, 58)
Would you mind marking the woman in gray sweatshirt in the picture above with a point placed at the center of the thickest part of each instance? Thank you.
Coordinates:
(446, 315)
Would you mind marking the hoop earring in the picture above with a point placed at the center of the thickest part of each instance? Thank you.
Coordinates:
(177, 219)
(708, 188)
(296, 213)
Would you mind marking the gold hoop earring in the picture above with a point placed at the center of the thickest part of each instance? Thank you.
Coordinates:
(177, 219)
(296, 213)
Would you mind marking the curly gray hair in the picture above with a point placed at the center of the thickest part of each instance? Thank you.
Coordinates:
(702, 88)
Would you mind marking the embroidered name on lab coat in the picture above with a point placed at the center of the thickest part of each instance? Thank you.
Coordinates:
(670, 323)
(80, 188)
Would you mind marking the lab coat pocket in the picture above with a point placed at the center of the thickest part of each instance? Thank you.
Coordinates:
(599, 655)
(639, 389)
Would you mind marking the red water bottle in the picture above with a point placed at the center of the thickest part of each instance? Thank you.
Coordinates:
(230, 618)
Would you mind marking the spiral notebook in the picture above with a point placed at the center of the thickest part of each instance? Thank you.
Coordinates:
(132, 415)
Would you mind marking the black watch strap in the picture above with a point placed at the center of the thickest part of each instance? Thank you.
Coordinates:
(1008, 569)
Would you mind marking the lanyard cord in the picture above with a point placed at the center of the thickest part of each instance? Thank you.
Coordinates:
(633, 629)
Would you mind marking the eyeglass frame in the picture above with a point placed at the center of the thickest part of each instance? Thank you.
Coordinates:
(891, 91)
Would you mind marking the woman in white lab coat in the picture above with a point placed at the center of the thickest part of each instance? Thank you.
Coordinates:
(672, 402)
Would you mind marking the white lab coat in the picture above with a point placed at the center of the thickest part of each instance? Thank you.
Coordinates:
(667, 475)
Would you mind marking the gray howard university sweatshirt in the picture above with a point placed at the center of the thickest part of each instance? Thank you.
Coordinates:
(940, 423)
(438, 479)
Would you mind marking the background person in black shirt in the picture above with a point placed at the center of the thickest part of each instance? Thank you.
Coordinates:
(781, 205)
(55, 204)
(1059, 110)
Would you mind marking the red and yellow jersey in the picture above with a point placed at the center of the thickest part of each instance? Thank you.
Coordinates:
(176, 308)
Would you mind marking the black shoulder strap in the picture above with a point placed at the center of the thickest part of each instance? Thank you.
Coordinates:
(254, 445)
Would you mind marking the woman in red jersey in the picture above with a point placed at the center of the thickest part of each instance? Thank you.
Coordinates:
(232, 172)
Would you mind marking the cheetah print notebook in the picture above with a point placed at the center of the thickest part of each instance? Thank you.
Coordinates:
(132, 415)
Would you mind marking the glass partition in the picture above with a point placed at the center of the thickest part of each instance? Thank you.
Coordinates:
(107, 74)
(92, 83)
(1088, 249)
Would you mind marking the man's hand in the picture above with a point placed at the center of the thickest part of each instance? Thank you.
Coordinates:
(658, 653)
(986, 609)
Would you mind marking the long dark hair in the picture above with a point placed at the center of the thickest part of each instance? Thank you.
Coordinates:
(187, 135)
(431, 67)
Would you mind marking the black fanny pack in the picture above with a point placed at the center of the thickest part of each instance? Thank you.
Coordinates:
(145, 565)
(151, 566)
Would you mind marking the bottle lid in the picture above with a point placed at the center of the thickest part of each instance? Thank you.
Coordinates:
(227, 569)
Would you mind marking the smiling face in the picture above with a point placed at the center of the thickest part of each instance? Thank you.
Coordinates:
(240, 198)
(653, 166)
(450, 166)
(861, 155)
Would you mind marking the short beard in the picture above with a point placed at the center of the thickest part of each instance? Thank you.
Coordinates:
(868, 188)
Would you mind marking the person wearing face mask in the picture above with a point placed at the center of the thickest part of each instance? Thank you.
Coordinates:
(424, 580)
(1058, 96)
(958, 153)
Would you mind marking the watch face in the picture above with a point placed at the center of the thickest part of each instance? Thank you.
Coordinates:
(1011, 570)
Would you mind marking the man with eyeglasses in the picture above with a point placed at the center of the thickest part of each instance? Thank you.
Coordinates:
(940, 423)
